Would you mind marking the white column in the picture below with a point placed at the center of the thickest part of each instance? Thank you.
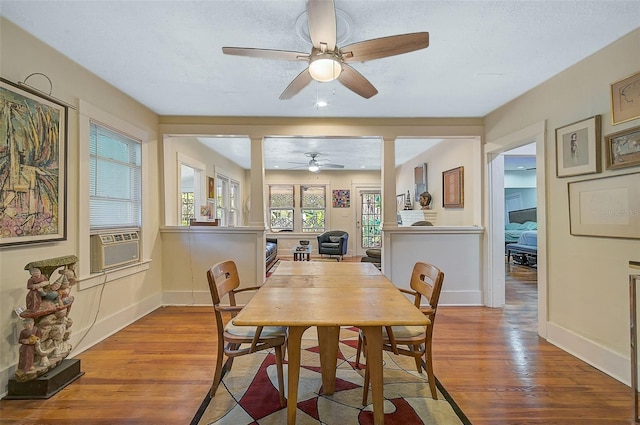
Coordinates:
(256, 197)
(389, 218)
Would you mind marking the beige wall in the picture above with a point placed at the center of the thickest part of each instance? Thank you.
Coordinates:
(122, 300)
(448, 154)
(588, 302)
(214, 162)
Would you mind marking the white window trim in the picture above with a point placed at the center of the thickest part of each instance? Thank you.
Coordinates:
(88, 113)
(200, 195)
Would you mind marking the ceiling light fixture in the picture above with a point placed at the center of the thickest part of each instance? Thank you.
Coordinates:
(314, 168)
(324, 66)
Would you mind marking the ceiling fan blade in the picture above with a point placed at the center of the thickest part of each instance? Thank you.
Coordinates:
(384, 47)
(298, 83)
(331, 166)
(284, 55)
(322, 23)
(354, 81)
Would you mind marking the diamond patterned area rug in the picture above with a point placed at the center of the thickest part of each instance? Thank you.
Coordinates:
(249, 395)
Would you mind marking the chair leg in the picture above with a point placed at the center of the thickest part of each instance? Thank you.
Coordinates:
(365, 386)
(430, 375)
(217, 376)
(358, 350)
(418, 359)
(279, 356)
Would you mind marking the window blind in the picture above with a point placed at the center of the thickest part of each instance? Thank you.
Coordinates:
(115, 171)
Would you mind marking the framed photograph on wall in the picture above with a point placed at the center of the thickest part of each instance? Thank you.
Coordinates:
(211, 188)
(606, 206)
(625, 99)
(453, 188)
(623, 148)
(33, 159)
(578, 148)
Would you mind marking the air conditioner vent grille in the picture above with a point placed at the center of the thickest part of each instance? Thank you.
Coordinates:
(110, 250)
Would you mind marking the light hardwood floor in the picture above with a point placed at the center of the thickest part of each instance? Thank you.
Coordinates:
(158, 370)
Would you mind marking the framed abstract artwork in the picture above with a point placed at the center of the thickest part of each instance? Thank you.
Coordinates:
(578, 148)
(341, 198)
(453, 188)
(33, 169)
(625, 99)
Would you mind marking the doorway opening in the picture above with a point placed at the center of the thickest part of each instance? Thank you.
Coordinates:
(496, 211)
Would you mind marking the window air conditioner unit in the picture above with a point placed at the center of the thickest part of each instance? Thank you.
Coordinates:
(110, 250)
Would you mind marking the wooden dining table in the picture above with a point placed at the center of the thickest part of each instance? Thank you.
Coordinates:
(329, 295)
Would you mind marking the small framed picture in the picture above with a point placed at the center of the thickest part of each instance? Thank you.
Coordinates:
(211, 188)
(625, 99)
(453, 188)
(623, 148)
(578, 148)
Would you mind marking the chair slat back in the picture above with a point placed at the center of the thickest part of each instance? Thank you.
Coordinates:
(426, 280)
(223, 280)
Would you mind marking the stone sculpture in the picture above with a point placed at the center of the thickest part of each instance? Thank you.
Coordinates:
(425, 200)
(47, 325)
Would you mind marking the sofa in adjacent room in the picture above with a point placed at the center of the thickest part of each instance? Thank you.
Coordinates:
(271, 251)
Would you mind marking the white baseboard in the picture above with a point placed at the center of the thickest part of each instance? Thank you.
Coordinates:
(460, 298)
(613, 364)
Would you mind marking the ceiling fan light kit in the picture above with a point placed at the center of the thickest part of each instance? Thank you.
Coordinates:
(325, 67)
(327, 62)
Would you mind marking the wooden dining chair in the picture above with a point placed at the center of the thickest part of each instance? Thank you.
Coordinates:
(426, 281)
(234, 341)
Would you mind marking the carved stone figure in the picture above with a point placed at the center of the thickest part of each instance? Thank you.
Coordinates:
(28, 339)
(47, 325)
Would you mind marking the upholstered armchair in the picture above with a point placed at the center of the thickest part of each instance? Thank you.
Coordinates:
(333, 242)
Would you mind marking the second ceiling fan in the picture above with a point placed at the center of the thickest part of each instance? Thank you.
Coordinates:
(327, 61)
(315, 165)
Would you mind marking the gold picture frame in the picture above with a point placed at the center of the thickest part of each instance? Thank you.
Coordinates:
(623, 148)
(453, 188)
(578, 148)
(211, 188)
(625, 99)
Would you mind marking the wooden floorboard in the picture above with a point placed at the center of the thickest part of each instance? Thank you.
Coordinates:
(158, 370)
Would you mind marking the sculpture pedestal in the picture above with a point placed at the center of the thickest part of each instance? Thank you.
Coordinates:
(46, 385)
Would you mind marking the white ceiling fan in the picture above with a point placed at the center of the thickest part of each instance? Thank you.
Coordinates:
(315, 165)
(327, 61)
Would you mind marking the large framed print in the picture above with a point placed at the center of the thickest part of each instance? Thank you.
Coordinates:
(625, 99)
(578, 148)
(623, 148)
(33, 169)
(606, 206)
(420, 179)
(453, 188)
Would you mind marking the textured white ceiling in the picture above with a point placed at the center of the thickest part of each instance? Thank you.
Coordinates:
(168, 54)
(286, 153)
